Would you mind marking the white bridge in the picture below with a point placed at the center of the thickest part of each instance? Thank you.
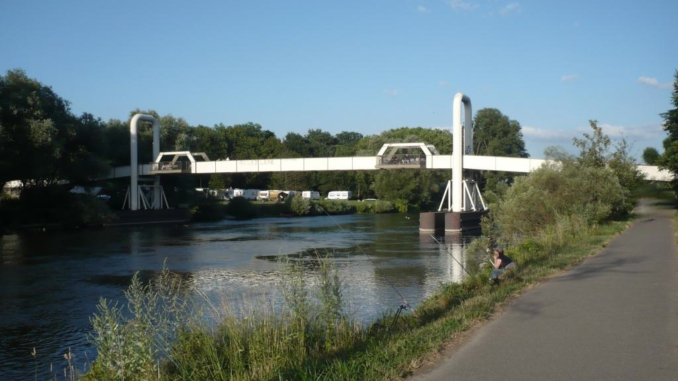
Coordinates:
(355, 163)
(460, 193)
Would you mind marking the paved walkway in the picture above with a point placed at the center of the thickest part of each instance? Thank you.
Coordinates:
(614, 317)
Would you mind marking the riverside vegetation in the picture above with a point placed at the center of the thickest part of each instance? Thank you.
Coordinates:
(240, 208)
(549, 220)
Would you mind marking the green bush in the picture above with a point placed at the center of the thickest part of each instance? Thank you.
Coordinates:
(383, 207)
(241, 209)
(336, 207)
(401, 205)
(363, 207)
(552, 200)
(300, 206)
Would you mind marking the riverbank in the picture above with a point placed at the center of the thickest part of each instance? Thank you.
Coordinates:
(383, 351)
(568, 328)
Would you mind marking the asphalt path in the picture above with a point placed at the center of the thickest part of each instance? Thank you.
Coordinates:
(614, 317)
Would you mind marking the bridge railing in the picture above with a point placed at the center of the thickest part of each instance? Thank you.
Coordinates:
(402, 161)
(171, 167)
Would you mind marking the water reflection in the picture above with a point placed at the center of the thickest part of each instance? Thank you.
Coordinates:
(51, 283)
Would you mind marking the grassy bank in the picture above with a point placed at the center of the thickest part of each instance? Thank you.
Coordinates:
(311, 338)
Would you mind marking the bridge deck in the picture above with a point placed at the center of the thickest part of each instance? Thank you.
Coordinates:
(367, 163)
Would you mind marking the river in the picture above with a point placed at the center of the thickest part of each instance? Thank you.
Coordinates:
(50, 283)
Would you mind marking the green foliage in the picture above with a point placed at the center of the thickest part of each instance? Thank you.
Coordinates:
(594, 151)
(335, 207)
(401, 205)
(396, 185)
(301, 206)
(157, 339)
(651, 156)
(217, 181)
(441, 139)
(132, 340)
(381, 206)
(593, 148)
(41, 141)
(669, 159)
(553, 193)
(625, 166)
(494, 134)
(241, 209)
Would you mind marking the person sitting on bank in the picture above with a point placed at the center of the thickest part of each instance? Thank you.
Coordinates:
(501, 263)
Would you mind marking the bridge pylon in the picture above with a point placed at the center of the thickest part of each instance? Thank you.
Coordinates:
(465, 205)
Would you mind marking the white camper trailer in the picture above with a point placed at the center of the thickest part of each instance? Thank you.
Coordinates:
(249, 194)
(339, 195)
(310, 195)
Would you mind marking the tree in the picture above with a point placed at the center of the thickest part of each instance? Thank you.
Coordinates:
(650, 156)
(217, 181)
(594, 152)
(669, 159)
(494, 134)
(41, 141)
(594, 148)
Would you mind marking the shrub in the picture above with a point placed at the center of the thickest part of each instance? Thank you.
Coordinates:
(401, 205)
(363, 207)
(131, 342)
(383, 207)
(300, 206)
(241, 209)
(336, 207)
(550, 195)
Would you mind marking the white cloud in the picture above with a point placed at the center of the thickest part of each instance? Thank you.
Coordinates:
(423, 9)
(569, 77)
(544, 134)
(648, 131)
(391, 92)
(651, 81)
(461, 5)
(443, 83)
(511, 8)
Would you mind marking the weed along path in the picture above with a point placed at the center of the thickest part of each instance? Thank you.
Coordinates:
(614, 317)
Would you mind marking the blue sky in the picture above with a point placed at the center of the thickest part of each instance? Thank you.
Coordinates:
(364, 66)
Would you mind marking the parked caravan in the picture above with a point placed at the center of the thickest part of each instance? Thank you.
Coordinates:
(249, 194)
(339, 195)
(267, 195)
(310, 195)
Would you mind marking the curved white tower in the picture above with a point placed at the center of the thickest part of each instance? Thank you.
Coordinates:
(462, 143)
(134, 164)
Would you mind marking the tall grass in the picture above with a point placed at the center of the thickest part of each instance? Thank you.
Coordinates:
(159, 337)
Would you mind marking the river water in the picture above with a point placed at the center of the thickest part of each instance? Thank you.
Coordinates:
(50, 283)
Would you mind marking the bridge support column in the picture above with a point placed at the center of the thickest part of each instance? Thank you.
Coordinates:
(134, 161)
(462, 143)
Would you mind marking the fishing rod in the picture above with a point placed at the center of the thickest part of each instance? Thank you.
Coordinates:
(405, 305)
(451, 255)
